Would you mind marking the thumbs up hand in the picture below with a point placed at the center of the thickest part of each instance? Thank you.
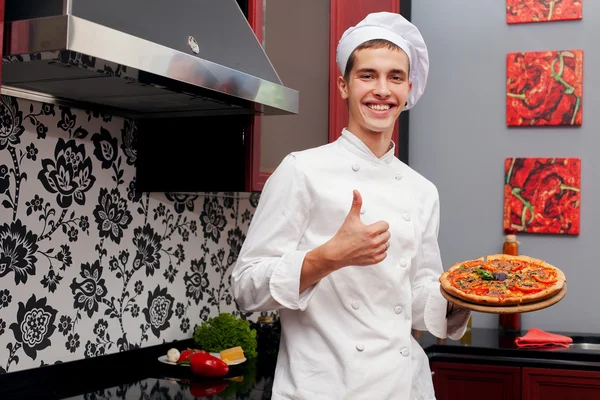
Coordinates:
(356, 243)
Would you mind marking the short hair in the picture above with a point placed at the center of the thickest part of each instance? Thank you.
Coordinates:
(369, 44)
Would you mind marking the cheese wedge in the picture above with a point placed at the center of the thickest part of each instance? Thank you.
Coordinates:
(232, 355)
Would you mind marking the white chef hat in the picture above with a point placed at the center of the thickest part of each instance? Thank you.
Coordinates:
(395, 28)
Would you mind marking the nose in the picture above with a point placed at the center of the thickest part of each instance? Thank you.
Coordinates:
(382, 89)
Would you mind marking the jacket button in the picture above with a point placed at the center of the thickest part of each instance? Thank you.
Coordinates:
(355, 167)
(398, 309)
(398, 177)
(406, 217)
(405, 352)
(355, 305)
(360, 347)
(403, 263)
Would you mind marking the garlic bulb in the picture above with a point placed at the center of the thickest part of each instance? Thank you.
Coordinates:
(173, 355)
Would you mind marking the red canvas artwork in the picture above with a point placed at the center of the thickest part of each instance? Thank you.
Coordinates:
(529, 11)
(542, 195)
(544, 88)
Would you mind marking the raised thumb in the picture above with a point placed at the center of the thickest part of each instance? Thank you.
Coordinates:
(356, 204)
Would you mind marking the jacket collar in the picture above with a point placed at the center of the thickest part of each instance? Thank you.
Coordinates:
(356, 146)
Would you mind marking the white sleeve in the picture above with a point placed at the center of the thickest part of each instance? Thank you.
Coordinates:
(266, 276)
(429, 307)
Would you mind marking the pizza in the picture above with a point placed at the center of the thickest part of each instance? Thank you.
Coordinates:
(500, 280)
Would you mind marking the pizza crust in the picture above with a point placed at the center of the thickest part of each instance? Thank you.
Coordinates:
(445, 281)
(479, 299)
(493, 257)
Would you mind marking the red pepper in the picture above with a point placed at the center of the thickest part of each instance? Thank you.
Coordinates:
(563, 114)
(544, 88)
(208, 365)
(204, 389)
(518, 267)
(187, 354)
(527, 289)
(543, 194)
(479, 288)
(540, 280)
(540, 92)
(522, 11)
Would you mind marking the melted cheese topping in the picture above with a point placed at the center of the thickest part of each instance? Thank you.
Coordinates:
(520, 279)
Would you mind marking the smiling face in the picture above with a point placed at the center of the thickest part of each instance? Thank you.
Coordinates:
(376, 89)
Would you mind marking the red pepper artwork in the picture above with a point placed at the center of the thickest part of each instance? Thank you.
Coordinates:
(544, 88)
(529, 11)
(542, 195)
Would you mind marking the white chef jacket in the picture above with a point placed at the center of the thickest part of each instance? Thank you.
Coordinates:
(349, 335)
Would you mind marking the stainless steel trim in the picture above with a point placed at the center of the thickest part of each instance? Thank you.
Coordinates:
(585, 346)
(47, 98)
(82, 36)
(84, 105)
(67, 6)
(108, 44)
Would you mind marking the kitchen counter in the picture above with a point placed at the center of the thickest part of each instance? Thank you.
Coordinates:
(137, 374)
(250, 381)
(491, 346)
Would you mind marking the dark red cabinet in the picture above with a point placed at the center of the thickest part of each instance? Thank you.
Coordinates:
(559, 384)
(455, 381)
(463, 381)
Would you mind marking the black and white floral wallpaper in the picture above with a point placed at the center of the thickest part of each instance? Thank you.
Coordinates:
(88, 265)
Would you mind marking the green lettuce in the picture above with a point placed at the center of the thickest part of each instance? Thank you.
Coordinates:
(224, 332)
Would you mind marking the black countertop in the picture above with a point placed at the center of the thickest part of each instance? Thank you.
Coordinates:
(491, 346)
(137, 374)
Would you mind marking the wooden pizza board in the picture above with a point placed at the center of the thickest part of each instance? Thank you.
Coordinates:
(509, 309)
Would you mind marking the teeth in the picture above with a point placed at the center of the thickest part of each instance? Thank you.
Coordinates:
(379, 107)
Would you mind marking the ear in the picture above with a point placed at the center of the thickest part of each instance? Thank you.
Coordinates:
(409, 86)
(342, 87)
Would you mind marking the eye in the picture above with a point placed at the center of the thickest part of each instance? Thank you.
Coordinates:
(366, 76)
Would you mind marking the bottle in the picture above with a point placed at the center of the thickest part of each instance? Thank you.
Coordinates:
(268, 332)
(511, 246)
(510, 322)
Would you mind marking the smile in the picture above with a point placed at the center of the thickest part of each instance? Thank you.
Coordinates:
(379, 107)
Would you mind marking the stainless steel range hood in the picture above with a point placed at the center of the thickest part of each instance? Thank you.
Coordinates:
(140, 58)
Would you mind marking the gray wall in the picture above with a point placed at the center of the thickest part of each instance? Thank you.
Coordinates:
(296, 41)
(462, 116)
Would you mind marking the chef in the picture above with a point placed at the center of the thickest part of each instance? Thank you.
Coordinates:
(344, 244)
